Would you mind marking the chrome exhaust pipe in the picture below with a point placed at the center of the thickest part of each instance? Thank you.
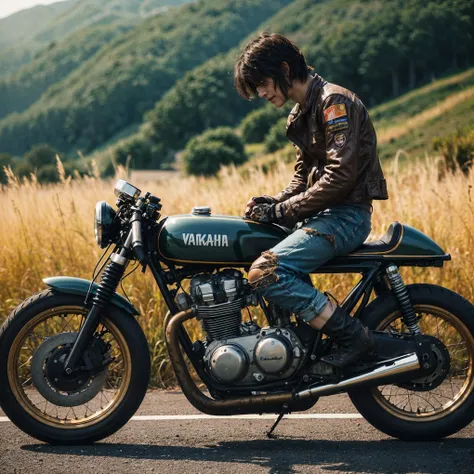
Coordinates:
(389, 370)
(267, 402)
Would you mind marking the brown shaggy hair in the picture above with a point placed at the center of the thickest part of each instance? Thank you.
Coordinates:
(263, 58)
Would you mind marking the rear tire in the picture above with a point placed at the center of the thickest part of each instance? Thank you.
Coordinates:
(36, 319)
(445, 409)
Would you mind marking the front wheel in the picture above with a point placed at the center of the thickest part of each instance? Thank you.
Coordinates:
(441, 403)
(83, 407)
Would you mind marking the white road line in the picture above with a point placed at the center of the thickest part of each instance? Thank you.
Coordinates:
(309, 416)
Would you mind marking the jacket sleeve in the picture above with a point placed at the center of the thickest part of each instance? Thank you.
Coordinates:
(299, 180)
(341, 131)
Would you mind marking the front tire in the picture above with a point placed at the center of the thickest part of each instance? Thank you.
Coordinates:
(421, 413)
(103, 404)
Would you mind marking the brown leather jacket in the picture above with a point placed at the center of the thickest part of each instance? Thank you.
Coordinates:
(336, 150)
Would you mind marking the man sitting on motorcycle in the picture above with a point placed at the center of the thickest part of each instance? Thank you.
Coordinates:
(328, 202)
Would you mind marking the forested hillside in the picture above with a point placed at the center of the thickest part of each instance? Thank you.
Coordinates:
(178, 68)
(377, 49)
(27, 23)
(115, 87)
(57, 61)
(28, 32)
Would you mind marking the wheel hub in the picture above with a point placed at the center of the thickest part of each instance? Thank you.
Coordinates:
(50, 379)
(436, 377)
(57, 377)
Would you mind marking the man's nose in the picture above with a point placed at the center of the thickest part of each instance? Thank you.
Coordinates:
(261, 92)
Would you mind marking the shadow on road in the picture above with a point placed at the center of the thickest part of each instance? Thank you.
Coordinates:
(281, 455)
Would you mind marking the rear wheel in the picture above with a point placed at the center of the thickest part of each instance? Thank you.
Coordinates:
(438, 404)
(88, 405)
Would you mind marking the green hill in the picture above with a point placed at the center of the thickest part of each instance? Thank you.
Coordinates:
(124, 79)
(411, 122)
(374, 48)
(28, 32)
(27, 23)
(178, 66)
(56, 62)
(17, 32)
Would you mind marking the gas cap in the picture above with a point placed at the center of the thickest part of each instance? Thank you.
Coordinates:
(201, 211)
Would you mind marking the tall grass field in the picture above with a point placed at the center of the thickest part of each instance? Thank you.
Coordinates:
(47, 230)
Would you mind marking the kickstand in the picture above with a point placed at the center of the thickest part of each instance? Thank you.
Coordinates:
(280, 416)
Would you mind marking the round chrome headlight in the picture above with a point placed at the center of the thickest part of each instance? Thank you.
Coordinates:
(104, 229)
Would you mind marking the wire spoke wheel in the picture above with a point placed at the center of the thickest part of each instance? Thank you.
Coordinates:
(428, 406)
(101, 393)
(458, 383)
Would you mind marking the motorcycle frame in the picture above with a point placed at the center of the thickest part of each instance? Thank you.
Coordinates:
(372, 279)
(372, 268)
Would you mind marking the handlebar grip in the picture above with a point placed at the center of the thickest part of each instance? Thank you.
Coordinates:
(140, 253)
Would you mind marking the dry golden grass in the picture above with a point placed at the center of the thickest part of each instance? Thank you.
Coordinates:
(47, 230)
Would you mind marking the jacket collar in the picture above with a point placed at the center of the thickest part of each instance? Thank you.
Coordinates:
(317, 82)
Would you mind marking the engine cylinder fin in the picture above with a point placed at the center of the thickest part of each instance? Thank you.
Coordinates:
(225, 328)
(218, 310)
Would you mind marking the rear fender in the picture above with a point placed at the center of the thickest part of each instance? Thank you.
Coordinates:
(80, 286)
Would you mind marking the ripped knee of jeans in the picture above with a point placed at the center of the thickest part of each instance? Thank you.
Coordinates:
(329, 237)
(262, 273)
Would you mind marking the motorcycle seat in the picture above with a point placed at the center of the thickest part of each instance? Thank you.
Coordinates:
(386, 244)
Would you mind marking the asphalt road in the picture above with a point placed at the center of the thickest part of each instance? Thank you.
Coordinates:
(223, 445)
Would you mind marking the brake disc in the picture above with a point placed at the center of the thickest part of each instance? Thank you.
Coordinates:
(55, 385)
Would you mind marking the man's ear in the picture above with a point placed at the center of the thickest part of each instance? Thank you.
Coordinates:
(286, 70)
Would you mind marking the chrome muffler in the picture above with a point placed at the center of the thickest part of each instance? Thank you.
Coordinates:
(389, 370)
(267, 402)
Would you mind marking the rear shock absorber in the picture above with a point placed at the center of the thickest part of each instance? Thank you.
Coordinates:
(108, 284)
(401, 293)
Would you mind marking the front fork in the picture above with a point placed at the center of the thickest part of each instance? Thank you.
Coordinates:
(108, 285)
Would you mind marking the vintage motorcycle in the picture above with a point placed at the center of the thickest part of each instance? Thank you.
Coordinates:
(74, 362)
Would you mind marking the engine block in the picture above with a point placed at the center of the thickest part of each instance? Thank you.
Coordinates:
(266, 355)
(236, 352)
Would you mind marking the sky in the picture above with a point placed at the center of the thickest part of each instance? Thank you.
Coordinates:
(7, 7)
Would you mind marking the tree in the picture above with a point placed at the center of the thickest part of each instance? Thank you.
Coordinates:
(41, 155)
(141, 154)
(258, 123)
(205, 153)
(276, 137)
(203, 99)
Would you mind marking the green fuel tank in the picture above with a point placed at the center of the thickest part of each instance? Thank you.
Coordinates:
(203, 238)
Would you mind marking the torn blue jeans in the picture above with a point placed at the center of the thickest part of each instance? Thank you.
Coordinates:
(336, 231)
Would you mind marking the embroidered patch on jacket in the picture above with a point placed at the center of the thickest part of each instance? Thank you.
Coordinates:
(334, 112)
(340, 140)
(337, 125)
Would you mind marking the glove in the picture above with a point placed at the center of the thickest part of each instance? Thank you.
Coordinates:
(264, 199)
(264, 213)
(258, 200)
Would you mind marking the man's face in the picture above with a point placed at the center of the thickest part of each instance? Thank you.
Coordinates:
(268, 91)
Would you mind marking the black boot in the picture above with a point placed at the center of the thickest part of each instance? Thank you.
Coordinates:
(352, 338)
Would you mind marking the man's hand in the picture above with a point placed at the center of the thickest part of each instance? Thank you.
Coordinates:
(264, 213)
(258, 200)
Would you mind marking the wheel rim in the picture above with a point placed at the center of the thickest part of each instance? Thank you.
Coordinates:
(46, 324)
(459, 382)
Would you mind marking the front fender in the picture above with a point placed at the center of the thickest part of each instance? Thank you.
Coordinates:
(79, 286)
